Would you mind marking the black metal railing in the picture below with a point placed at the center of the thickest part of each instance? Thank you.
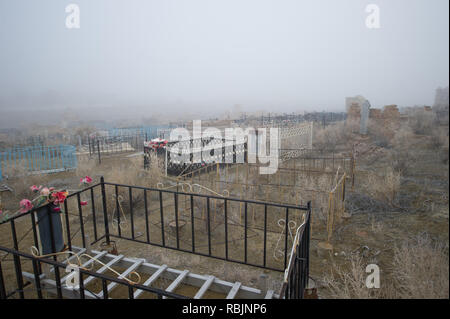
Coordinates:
(83, 292)
(297, 273)
(37, 219)
(205, 225)
(168, 208)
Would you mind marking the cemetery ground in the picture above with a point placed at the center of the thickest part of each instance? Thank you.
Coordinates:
(398, 218)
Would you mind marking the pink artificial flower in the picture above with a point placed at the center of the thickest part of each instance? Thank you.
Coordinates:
(45, 191)
(83, 203)
(59, 197)
(35, 189)
(25, 205)
(51, 189)
(86, 180)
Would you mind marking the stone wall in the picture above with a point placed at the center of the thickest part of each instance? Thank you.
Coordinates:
(389, 117)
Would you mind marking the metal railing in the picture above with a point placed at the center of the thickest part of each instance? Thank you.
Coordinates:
(202, 209)
(81, 291)
(173, 209)
(105, 145)
(20, 258)
(42, 159)
(296, 275)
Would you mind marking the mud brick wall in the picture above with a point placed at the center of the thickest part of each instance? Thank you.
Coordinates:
(388, 118)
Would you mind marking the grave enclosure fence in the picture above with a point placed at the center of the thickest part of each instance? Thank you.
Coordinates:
(157, 204)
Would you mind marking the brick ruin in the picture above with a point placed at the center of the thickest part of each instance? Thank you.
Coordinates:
(387, 118)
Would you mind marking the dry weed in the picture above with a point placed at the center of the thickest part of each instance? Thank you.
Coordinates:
(384, 188)
(330, 137)
(349, 282)
(420, 271)
(380, 135)
(422, 122)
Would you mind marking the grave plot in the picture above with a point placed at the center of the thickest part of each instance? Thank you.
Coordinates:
(206, 222)
(180, 222)
(321, 181)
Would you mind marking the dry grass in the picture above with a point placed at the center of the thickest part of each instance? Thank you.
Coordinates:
(376, 226)
(381, 135)
(420, 271)
(439, 138)
(384, 188)
(122, 170)
(349, 282)
(126, 171)
(422, 122)
(403, 137)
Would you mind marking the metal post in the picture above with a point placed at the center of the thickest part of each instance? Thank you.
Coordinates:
(98, 149)
(105, 212)
(165, 161)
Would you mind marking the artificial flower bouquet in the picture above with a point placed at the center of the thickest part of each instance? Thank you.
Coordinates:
(46, 195)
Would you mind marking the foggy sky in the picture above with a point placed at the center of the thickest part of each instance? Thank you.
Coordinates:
(190, 55)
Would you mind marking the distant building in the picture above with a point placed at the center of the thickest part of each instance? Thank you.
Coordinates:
(358, 100)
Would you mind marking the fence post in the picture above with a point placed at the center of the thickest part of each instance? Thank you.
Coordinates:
(105, 213)
(308, 238)
(352, 168)
(98, 150)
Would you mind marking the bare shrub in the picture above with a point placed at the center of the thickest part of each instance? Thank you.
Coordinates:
(380, 135)
(349, 282)
(439, 138)
(402, 160)
(422, 121)
(403, 137)
(384, 188)
(421, 269)
(403, 156)
(330, 137)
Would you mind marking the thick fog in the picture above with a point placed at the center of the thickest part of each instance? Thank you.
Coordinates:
(145, 58)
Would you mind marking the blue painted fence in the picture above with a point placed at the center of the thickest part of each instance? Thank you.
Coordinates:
(44, 159)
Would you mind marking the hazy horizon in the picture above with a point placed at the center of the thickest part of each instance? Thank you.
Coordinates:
(173, 57)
